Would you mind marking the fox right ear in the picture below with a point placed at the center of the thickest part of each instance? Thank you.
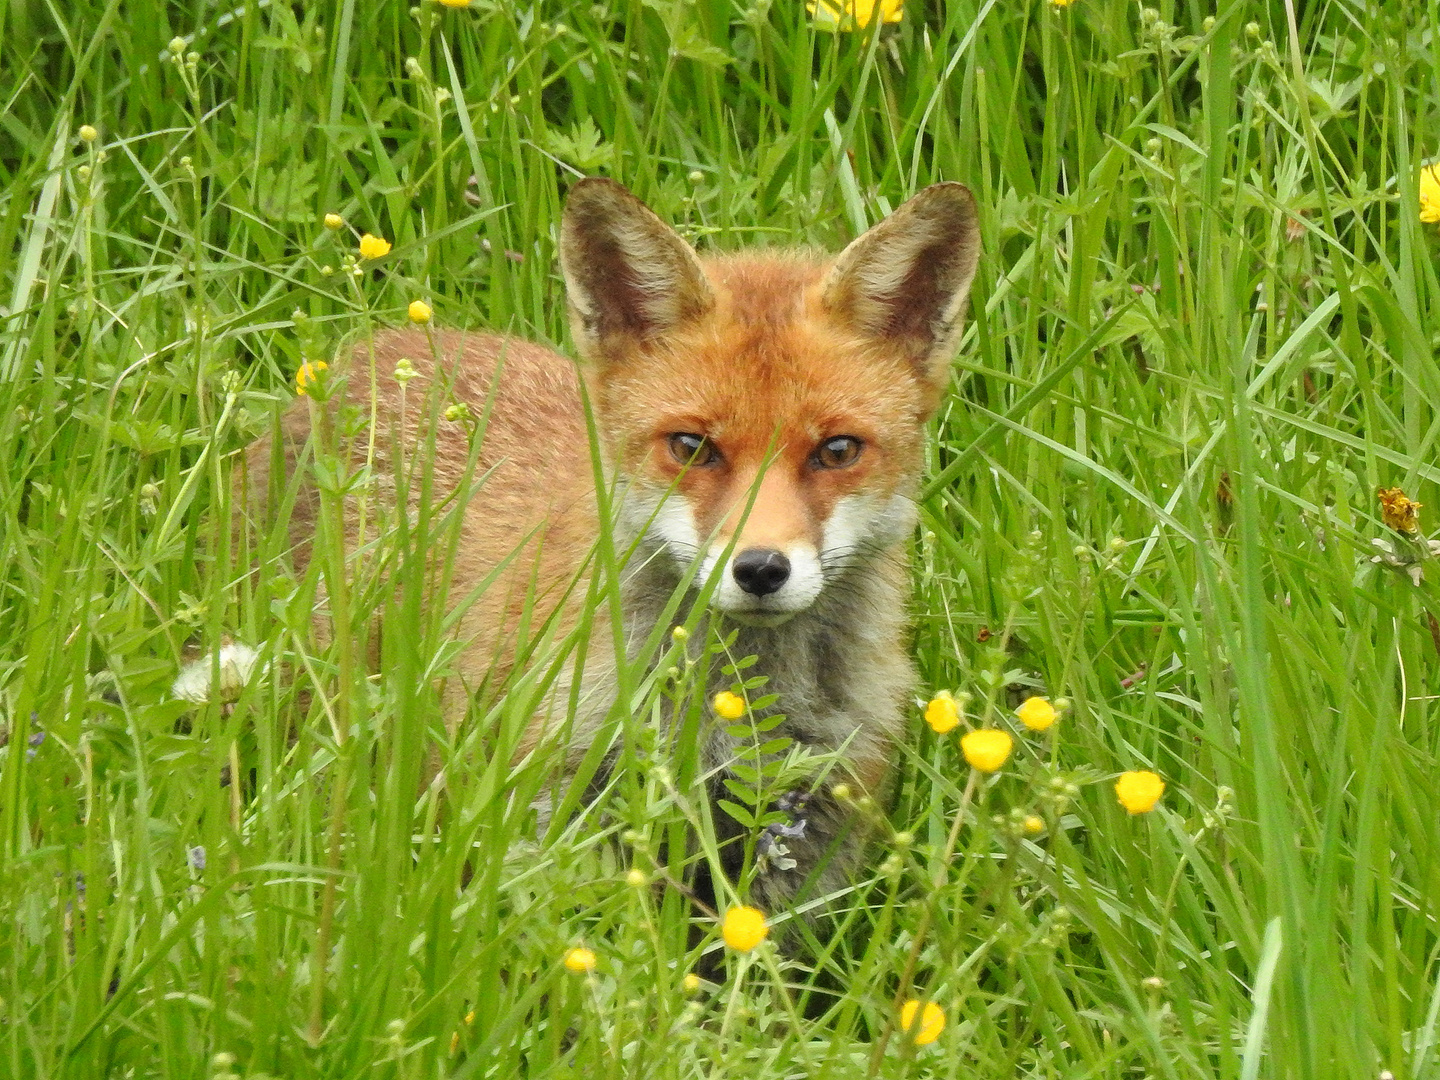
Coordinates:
(629, 277)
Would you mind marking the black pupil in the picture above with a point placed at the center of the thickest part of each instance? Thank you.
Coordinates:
(688, 446)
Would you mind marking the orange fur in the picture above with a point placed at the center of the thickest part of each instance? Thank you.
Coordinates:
(769, 358)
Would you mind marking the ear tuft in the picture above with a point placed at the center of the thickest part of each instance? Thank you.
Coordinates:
(906, 281)
(630, 278)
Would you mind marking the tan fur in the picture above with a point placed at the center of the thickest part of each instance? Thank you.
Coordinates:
(766, 356)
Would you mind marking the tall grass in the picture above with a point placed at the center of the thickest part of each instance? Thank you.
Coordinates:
(1202, 338)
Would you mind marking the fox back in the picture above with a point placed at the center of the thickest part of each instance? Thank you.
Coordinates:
(762, 417)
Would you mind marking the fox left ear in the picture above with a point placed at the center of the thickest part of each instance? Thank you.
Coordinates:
(906, 281)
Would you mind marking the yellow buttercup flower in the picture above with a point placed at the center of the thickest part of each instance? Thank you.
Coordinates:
(932, 1021)
(373, 247)
(334, 221)
(854, 14)
(455, 1038)
(743, 928)
(309, 375)
(986, 749)
(579, 960)
(419, 312)
(1037, 714)
(1398, 512)
(943, 712)
(1033, 825)
(729, 706)
(1139, 791)
(691, 983)
(1430, 193)
(456, 3)
(1061, 3)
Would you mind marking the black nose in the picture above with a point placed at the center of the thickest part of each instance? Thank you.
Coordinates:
(761, 571)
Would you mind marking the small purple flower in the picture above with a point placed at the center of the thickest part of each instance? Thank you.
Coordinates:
(790, 832)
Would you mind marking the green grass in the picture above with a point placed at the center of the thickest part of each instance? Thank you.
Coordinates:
(1203, 336)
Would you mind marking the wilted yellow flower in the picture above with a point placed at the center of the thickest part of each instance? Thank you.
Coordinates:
(334, 221)
(1037, 714)
(1430, 193)
(1398, 512)
(743, 928)
(932, 1021)
(986, 749)
(1139, 791)
(309, 374)
(854, 14)
(943, 713)
(419, 311)
(579, 960)
(1033, 825)
(729, 706)
(373, 247)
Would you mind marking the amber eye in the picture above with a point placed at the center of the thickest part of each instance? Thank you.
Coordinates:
(694, 450)
(837, 453)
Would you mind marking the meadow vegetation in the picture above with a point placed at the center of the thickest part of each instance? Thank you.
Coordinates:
(1202, 340)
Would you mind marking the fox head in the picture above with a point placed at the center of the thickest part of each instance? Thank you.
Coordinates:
(766, 412)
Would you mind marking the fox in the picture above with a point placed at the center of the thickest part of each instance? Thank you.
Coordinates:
(761, 419)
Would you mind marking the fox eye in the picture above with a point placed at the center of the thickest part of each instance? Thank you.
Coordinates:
(837, 453)
(694, 450)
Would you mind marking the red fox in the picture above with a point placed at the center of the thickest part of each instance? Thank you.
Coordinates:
(763, 418)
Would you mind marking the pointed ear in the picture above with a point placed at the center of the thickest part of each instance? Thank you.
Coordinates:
(905, 282)
(628, 275)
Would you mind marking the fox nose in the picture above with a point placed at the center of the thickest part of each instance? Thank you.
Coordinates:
(761, 571)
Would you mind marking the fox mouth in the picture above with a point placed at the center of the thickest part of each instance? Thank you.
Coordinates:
(757, 617)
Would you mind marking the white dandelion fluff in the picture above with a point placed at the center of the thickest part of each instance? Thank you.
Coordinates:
(238, 664)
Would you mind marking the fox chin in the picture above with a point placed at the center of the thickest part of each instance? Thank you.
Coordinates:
(763, 416)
